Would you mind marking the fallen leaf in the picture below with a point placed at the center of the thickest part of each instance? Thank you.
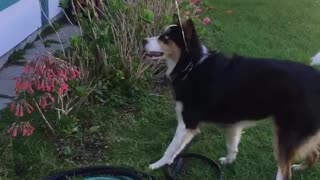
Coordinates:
(211, 8)
(229, 12)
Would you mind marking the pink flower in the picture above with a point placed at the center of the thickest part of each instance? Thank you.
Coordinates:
(42, 102)
(13, 106)
(194, 2)
(51, 98)
(28, 87)
(63, 75)
(74, 73)
(14, 132)
(63, 88)
(206, 20)
(19, 107)
(21, 114)
(28, 107)
(42, 86)
(24, 129)
(198, 10)
(17, 113)
(47, 87)
(26, 69)
(19, 85)
(43, 79)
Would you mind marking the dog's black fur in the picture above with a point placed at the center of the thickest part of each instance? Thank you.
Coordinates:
(227, 90)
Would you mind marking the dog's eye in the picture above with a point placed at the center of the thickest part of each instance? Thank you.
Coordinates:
(164, 38)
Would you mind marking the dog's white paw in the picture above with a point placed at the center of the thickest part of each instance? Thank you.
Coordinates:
(298, 167)
(159, 164)
(225, 160)
(154, 166)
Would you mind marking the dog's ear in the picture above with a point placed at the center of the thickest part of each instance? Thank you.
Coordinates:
(189, 29)
(175, 19)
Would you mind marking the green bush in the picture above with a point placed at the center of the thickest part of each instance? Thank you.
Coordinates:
(109, 48)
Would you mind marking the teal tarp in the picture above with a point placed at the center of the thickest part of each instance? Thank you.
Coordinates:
(6, 3)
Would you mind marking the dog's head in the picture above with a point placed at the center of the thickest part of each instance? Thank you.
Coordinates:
(171, 44)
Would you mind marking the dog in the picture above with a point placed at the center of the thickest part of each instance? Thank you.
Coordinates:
(235, 92)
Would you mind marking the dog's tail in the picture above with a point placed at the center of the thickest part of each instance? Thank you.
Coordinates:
(315, 60)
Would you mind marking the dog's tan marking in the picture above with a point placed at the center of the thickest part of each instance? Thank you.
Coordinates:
(307, 149)
(171, 50)
(312, 158)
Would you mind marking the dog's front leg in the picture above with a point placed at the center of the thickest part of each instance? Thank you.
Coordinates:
(181, 138)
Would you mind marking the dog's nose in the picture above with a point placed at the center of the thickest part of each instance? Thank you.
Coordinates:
(144, 42)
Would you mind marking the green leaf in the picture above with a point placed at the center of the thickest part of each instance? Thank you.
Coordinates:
(67, 150)
(101, 100)
(167, 19)
(94, 129)
(75, 129)
(64, 4)
(148, 16)
(217, 25)
(81, 90)
(99, 92)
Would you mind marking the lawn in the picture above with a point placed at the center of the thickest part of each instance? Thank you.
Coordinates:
(137, 135)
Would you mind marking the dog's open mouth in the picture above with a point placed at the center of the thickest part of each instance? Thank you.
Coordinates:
(154, 53)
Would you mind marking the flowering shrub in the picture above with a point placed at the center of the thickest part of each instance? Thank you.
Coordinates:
(110, 46)
(43, 85)
(196, 10)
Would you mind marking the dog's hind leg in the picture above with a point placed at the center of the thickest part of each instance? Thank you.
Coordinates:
(284, 152)
(232, 136)
(181, 138)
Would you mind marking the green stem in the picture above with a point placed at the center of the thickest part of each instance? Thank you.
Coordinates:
(4, 148)
(44, 118)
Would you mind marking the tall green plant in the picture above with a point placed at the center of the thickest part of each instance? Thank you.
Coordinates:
(110, 48)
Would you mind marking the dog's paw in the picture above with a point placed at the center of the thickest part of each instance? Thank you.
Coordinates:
(225, 160)
(159, 164)
(298, 167)
(154, 166)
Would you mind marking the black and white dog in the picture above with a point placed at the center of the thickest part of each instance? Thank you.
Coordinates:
(235, 92)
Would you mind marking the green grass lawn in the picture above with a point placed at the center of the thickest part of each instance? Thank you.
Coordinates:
(138, 136)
